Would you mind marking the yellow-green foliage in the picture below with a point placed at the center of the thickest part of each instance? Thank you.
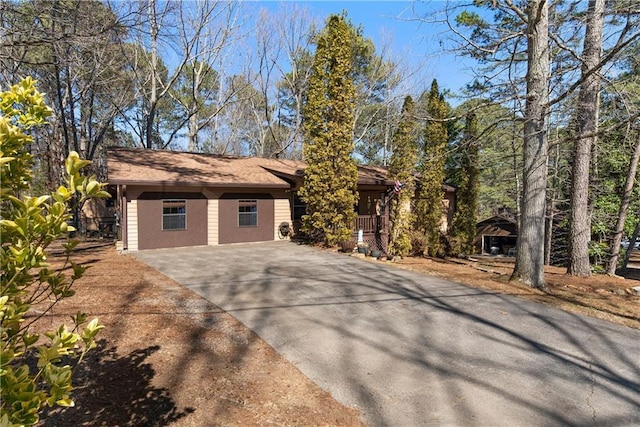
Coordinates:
(463, 228)
(402, 167)
(429, 206)
(330, 179)
(28, 225)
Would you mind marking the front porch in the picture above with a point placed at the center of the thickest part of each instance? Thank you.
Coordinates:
(375, 231)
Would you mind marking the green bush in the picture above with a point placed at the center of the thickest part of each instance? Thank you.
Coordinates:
(29, 224)
(419, 243)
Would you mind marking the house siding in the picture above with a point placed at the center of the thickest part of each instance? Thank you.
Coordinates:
(132, 225)
(212, 222)
(281, 214)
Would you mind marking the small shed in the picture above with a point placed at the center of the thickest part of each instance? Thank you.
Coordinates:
(496, 235)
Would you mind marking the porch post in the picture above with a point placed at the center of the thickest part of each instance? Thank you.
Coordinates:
(385, 222)
(122, 189)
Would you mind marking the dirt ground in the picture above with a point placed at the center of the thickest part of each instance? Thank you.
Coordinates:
(168, 357)
(602, 296)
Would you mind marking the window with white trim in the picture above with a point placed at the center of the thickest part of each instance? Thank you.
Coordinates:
(247, 213)
(174, 214)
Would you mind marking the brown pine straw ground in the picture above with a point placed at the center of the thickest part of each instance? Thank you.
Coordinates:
(168, 357)
(602, 296)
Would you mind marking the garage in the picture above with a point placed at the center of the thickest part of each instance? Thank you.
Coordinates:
(171, 220)
(245, 217)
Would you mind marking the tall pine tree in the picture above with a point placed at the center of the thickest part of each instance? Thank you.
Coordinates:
(402, 168)
(331, 176)
(463, 228)
(429, 206)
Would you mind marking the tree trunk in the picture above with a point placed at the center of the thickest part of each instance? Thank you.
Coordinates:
(622, 213)
(632, 244)
(548, 236)
(529, 267)
(194, 143)
(153, 97)
(587, 128)
(553, 194)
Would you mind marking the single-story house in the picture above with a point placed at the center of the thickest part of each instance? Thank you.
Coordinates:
(496, 235)
(170, 199)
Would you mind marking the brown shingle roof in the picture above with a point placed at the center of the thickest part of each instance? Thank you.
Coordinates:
(151, 167)
(140, 166)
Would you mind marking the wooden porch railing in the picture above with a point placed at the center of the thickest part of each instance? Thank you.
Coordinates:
(374, 229)
(366, 223)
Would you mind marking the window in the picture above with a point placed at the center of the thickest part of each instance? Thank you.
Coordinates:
(247, 213)
(174, 214)
(299, 207)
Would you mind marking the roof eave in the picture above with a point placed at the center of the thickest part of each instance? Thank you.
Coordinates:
(197, 184)
(370, 181)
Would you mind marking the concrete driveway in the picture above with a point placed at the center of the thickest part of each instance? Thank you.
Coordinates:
(408, 349)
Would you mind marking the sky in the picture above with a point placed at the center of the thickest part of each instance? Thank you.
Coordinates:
(413, 41)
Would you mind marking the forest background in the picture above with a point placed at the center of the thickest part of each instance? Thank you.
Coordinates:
(231, 78)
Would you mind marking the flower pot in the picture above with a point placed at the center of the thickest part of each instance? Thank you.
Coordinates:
(347, 246)
(376, 253)
(363, 249)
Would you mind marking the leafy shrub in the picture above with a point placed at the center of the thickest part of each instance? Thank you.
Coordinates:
(419, 243)
(28, 226)
(598, 253)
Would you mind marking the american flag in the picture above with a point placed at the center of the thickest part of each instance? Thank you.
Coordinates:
(397, 186)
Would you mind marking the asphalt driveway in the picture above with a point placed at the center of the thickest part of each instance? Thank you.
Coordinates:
(408, 349)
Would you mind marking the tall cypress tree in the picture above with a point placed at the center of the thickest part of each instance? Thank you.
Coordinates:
(429, 206)
(331, 176)
(402, 168)
(463, 228)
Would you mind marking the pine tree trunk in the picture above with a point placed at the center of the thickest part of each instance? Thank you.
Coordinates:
(587, 124)
(529, 267)
(553, 194)
(622, 213)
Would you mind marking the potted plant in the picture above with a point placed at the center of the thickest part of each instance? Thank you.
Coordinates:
(347, 245)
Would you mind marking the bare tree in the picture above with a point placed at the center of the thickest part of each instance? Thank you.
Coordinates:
(284, 58)
(194, 33)
(201, 102)
(71, 48)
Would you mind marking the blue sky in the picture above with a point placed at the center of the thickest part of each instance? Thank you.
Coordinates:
(414, 41)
